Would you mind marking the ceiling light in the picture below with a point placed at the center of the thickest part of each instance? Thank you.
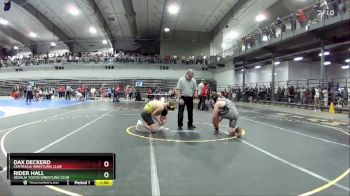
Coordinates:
(347, 60)
(257, 67)
(73, 10)
(260, 17)
(277, 63)
(242, 69)
(345, 67)
(298, 58)
(53, 44)
(4, 22)
(92, 30)
(31, 34)
(173, 9)
(166, 29)
(327, 63)
(15, 47)
(275, 73)
(104, 42)
(325, 53)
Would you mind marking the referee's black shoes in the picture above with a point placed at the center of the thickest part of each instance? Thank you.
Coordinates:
(191, 127)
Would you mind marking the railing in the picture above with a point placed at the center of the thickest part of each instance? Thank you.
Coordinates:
(101, 60)
(278, 30)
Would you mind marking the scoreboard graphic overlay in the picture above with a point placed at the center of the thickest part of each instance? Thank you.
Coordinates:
(80, 169)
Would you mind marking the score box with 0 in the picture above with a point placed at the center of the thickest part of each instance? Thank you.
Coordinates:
(73, 166)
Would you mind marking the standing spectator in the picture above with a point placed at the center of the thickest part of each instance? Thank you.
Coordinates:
(126, 92)
(204, 95)
(186, 89)
(149, 94)
(93, 92)
(313, 92)
(68, 91)
(285, 93)
(61, 91)
(272, 31)
(266, 33)
(340, 6)
(335, 6)
(291, 94)
(29, 93)
(130, 92)
(116, 93)
(133, 92)
(293, 21)
(301, 95)
(200, 85)
(321, 7)
(317, 99)
(301, 18)
(174, 59)
(259, 35)
(83, 92)
(252, 40)
(109, 92)
(282, 25)
(279, 92)
(324, 6)
(234, 96)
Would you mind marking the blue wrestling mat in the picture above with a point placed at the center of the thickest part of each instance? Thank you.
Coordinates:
(38, 104)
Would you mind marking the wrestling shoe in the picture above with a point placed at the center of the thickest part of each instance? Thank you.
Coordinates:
(138, 125)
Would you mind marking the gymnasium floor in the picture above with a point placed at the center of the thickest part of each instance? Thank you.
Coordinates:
(280, 153)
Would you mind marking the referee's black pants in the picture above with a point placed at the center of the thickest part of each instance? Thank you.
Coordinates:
(189, 105)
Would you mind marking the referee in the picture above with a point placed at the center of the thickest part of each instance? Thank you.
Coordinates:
(186, 90)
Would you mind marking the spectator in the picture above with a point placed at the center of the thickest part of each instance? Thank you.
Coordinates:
(282, 25)
(93, 92)
(200, 86)
(317, 99)
(301, 18)
(116, 93)
(204, 95)
(272, 31)
(293, 21)
(259, 35)
(321, 8)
